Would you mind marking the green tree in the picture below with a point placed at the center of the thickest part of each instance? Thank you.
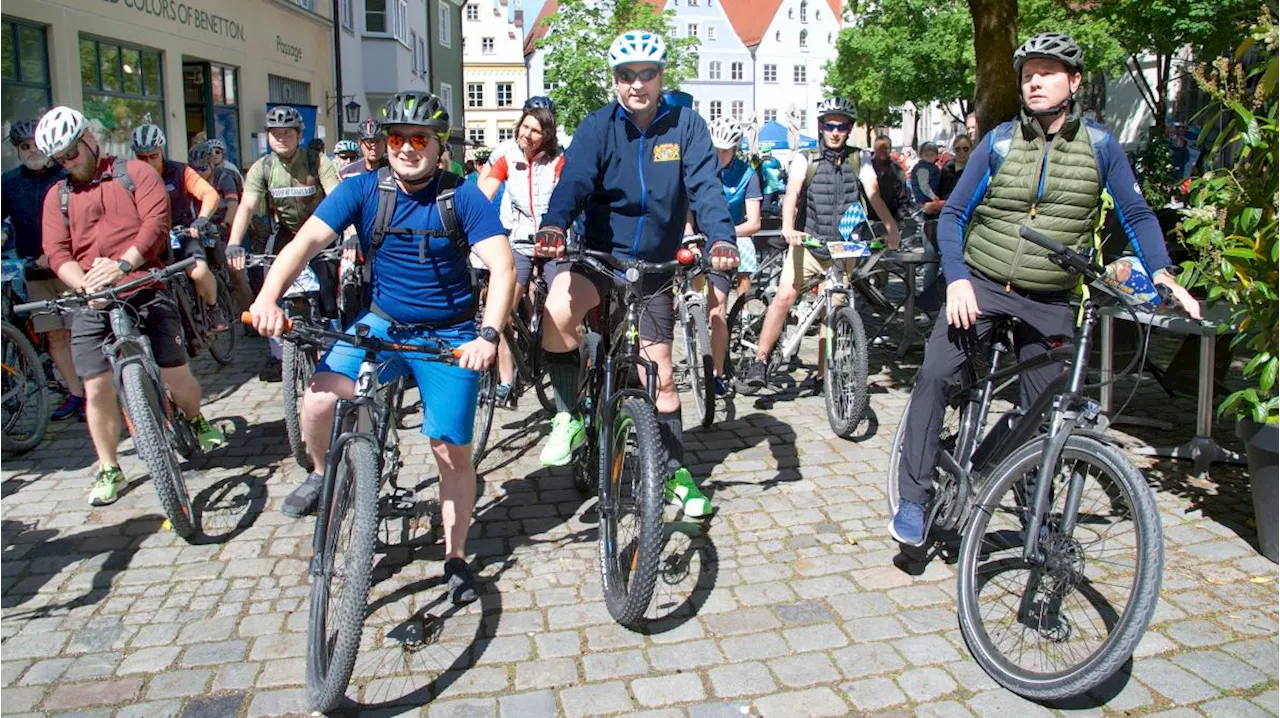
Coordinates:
(577, 42)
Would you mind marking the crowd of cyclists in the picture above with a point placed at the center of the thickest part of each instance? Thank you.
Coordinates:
(640, 175)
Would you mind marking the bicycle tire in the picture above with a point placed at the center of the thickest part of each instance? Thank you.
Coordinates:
(1146, 550)
(222, 345)
(845, 388)
(628, 577)
(698, 363)
(744, 336)
(143, 409)
(484, 414)
(330, 662)
(27, 380)
(955, 420)
(874, 286)
(297, 365)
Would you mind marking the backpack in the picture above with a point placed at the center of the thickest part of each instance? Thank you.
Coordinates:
(446, 205)
(815, 156)
(313, 171)
(119, 173)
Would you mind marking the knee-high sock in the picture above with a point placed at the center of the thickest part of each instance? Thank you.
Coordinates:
(671, 429)
(562, 369)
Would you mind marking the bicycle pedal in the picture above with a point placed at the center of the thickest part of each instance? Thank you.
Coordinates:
(401, 502)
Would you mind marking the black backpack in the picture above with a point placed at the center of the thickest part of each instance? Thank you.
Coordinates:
(446, 205)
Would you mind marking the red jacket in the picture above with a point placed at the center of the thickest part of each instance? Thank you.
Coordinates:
(104, 220)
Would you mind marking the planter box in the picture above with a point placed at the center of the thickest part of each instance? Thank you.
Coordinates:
(1263, 450)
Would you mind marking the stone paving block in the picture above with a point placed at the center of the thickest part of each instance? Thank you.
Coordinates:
(742, 679)
(275, 703)
(148, 660)
(1269, 702)
(546, 673)
(237, 676)
(595, 699)
(540, 704)
(1197, 634)
(813, 702)
(1001, 703)
(1171, 681)
(281, 645)
(1261, 654)
(42, 672)
(926, 684)
(683, 656)
(1234, 707)
(669, 689)
(208, 630)
(750, 648)
(284, 672)
(871, 694)
(745, 620)
(1122, 693)
(804, 670)
(178, 684)
(82, 695)
(209, 654)
(856, 606)
(875, 628)
(867, 659)
(1220, 669)
(559, 644)
(21, 699)
(47, 645)
(464, 708)
(816, 638)
(603, 666)
(153, 709)
(503, 649)
(94, 665)
(943, 709)
(926, 650)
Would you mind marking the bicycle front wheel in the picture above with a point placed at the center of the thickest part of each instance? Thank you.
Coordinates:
(25, 401)
(484, 414)
(746, 319)
(631, 511)
(846, 383)
(144, 409)
(698, 364)
(340, 591)
(1059, 627)
(297, 366)
(222, 345)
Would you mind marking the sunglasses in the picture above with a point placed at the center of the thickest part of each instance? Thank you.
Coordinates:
(70, 155)
(396, 140)
(627, 77)
(837, 126)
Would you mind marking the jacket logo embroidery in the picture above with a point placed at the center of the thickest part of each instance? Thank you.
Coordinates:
(666, 153)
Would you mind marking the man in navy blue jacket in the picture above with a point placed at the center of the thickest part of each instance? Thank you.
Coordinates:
(634, 168)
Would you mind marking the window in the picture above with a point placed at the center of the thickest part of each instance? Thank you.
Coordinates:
(413, 52)
(692, 29)
(375, 15)
(800, 74)
(486, 46)
(446, 99)
(473, 12)
(306, 4)
(770, 73)
(735, 71)
(736, 109)
(421, 49)
(804, 10)
(506, 94)
(715, 110)
(284, 90)
(693, 3)
(711, 32)
(804, 39)
(122, 89)
(770, 115)
(475, 94)
(713, 70)
(445, 18)
(546, 87)
(26, 89)
(804, 118)
(348, 15)
(475, 135)
(506, 133)
(697, 107)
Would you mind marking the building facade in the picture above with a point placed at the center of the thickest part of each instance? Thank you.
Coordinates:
(724, 85)
(791, 53)
(384, 51)
(197, 68)
(494, 82)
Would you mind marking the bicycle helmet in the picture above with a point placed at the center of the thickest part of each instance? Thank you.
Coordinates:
(369, 129)
(676, 98)
(726, 133)
(147, 138)
(21, 131)
(59, 129)
(540, 101)
(414, 107)
(345, 147)
(199, 155)
(217, 144)
(836, 106)
(1052, 45)
(638, 46)
(283, 117)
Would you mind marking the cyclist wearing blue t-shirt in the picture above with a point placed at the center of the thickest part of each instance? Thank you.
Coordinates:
(420, 288)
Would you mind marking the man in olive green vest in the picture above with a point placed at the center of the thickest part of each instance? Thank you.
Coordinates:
(1046, 170)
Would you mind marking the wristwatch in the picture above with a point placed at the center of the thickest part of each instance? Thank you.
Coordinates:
(489, 334)
(125, 266)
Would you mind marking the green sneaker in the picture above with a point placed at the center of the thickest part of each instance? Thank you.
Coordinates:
(105, 484)
(566, 436)
(683, 492)
(208, 436)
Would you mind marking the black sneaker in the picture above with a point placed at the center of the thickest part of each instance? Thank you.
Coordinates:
(461, 581)
(272, 374)
(302, 500)
(756, 374)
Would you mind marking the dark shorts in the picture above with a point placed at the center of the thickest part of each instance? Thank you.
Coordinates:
(524, 269)
(721, 282)
(159, 321)
(657, 315)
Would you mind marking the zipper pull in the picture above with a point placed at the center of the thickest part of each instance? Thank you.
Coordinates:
(1008, 287)
(422, 251)
(1034, 209)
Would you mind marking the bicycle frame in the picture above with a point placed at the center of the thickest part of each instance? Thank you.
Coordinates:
(836, 283)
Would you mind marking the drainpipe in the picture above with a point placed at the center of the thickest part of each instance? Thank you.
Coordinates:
(431, 62)
(339, 111)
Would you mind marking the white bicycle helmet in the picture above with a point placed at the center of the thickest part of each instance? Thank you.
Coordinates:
(638, 46)
(726, 133)
(59, 129)
(345, 146)
(147, 138)
(836, 106)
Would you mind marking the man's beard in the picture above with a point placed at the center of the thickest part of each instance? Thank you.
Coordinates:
(38, 162)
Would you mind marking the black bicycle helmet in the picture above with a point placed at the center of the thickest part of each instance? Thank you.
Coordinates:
(199, 154)
(416, 108)
(21, 131)
(283, 117)
(1051, 45)
(542, 101)
(370, 130)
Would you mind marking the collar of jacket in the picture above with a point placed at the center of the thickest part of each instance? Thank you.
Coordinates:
(836, 156)
(1031, 128)
(623, 113)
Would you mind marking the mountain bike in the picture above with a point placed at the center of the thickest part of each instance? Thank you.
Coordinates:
(363, 458)
(1054, 520)
(24, 400)
(523, 335)
(198, 322)
(160, 430)
(691, 312)
(623, 455)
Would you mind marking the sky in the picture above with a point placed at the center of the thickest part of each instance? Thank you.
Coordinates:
(531, 9)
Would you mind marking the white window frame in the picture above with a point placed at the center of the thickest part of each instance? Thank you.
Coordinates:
(714, 70)
(484, 135)
(446, 99)
(691, 29)
(511, 94)
(506, 133)
(770, 73)
(444, 16)
(799, 74)
(488, 45)
(804, 118)
(472, 104)
(804, 10)
(804, 39)
(388, 21)
(711, 33)
(473, 9)
(348, 16)
(770, 115)
(421, 49)
(413, 51)
(715, 109)
(402, 22)
(736, 71)
(737, 109)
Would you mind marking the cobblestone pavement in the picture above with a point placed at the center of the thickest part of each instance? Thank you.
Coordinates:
(788, 603)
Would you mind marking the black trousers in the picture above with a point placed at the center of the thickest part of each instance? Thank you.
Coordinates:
(948, 350)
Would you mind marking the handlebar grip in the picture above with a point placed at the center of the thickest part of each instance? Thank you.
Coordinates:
(1039, 238)
(247, 318)
(457, 353)
(29, 307)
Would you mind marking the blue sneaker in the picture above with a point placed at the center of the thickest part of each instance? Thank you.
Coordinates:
(907, 526)
(722, 386)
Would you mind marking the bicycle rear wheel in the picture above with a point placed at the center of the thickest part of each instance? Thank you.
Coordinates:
(484, 414)
(698, 364)
(1062, 626)
(341, 590)
(25, 402)
(144, 409)
(746, 319)
(222, 345)
(846, 383)
(630, 511)
(296, 367)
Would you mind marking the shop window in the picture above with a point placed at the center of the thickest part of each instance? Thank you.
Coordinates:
(211, 96)
(375, 16)
(506, 94)
(25, 85)
(126, 91)
(282, 90)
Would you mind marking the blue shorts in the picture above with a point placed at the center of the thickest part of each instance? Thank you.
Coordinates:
(449, 393)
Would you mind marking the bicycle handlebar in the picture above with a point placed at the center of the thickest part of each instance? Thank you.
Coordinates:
(304, 332)
(78, 300)
(619, 263)
(1075, 261)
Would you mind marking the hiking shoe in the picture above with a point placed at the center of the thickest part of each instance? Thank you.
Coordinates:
(218, 321)
(681, 490)
(566, 436)
(302, 500)
(208, 436)
(461, 581)
(502, 395)
(722, 386)
(272, 373)
(907, 526)
(756, 374)
(106, 483)
(71, 406)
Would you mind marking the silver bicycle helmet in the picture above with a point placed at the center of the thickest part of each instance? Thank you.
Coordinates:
(21, 131)
(369, 129)
(147, 138)
(199, 155)
(345, 147)
(540, 101)
(1051, 45)
(416, 108)
(283, 117)
(836, 106)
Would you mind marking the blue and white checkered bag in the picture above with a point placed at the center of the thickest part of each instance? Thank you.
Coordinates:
(853, 218)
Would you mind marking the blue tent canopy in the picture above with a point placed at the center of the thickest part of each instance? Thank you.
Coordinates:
(774, 134)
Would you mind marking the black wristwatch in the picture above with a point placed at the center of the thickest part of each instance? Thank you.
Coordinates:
(124, 266)
(489, 334)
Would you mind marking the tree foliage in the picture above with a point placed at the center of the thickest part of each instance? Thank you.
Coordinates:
(577, 42)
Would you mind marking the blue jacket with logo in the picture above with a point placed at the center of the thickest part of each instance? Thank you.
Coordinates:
(635, 188)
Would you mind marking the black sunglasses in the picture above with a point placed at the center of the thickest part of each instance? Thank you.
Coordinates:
(627, 77)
